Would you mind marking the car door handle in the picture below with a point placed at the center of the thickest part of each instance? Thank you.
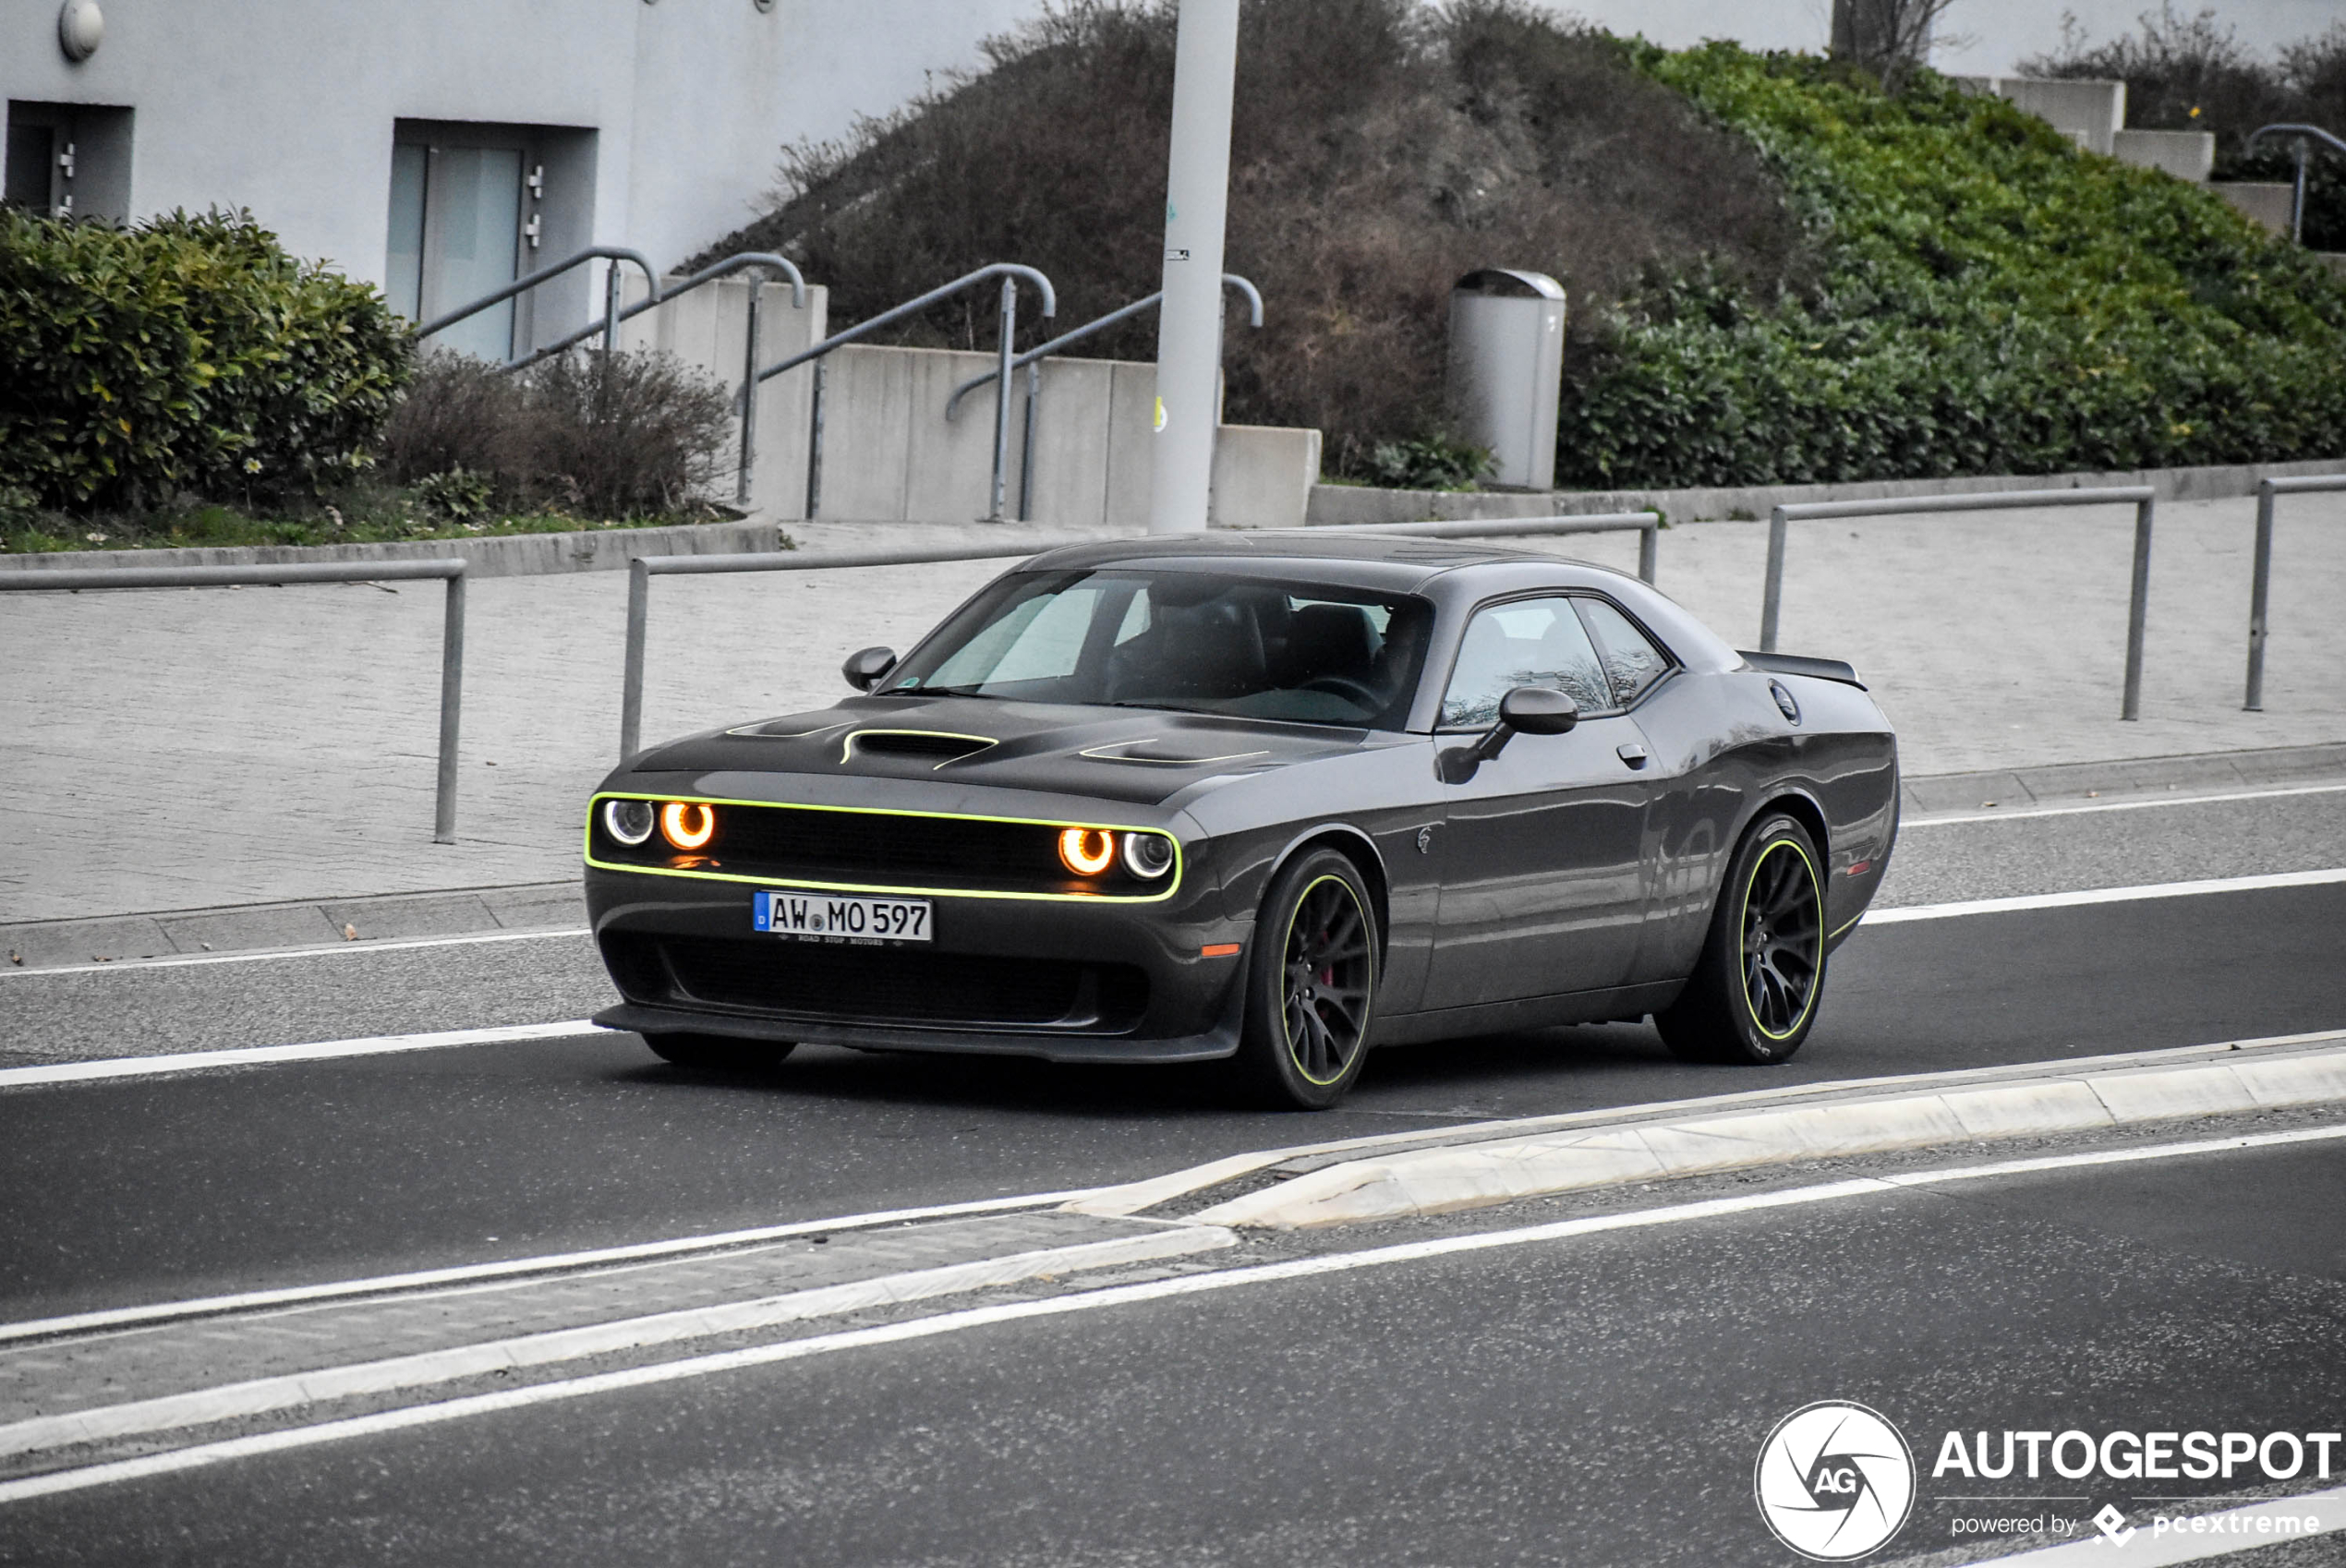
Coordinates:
(1632, 754)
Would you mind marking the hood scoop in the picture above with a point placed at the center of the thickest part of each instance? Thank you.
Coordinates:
(1165, 754)
(934, 746)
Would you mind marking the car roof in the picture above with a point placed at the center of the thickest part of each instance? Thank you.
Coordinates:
(1398, 562)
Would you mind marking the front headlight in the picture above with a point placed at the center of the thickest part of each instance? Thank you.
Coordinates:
(1148, 855)
(630, 822)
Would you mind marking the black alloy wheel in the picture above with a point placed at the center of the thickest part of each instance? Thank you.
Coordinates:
(1311, 983)
(1754, 994)
(716, 1052)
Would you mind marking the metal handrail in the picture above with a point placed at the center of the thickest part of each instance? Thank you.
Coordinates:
(2260, 581)
(1089, 329)
(1009, 273)
(2141, 496)
(452, 631)
(612, 253)
(709, 274)
(2297, 196)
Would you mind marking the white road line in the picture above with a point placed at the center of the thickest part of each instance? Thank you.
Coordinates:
(1119, 1199)
(2103, 895)
(551, 1263)
(2085, 809)
(323, 1050)
(389, 945)
(386, 1421)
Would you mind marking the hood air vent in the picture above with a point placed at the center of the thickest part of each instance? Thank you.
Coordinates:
(928, 745)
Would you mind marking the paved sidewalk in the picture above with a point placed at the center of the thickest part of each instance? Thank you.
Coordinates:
(181, 750)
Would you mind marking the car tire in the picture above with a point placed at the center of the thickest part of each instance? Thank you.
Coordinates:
(716, 1052)
(1755, 991)
(1311, 984)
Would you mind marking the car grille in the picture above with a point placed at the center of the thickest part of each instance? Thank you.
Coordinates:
(878, 986)
(877, 849)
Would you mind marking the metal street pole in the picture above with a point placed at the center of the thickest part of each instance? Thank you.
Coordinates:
(1189, 326)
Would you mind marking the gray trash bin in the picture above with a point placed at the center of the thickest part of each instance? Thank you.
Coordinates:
(1506, 369)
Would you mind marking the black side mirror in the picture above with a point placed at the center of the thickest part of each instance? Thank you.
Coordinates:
(1532, 710)
(865, 668)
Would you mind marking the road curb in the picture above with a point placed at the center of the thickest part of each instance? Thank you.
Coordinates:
(264, 1396)
(1443, 1180)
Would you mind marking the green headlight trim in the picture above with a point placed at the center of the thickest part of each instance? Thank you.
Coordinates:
(1173, 881)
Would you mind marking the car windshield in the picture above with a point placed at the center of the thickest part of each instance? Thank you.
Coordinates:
(1243, 646)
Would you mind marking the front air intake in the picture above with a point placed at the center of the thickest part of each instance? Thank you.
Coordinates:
(928, 745)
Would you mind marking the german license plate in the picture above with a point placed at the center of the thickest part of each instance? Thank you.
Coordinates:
(839, 917)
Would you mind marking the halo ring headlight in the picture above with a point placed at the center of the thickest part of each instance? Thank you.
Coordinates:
(1087, 851)
(630, 822)
(688, 824)
(1148, 855)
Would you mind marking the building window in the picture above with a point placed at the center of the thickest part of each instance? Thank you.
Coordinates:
(472, 207)
(70, 160)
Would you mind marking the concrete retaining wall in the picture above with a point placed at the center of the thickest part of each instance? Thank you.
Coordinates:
(891, 454)
(2268, 204)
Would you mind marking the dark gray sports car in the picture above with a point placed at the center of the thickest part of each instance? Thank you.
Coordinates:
(1270, 797)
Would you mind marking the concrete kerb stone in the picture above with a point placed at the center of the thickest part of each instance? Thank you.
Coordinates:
(264, 1396)
(2076, 783)
(1351, 503)
(1446, 1179)
(504, 555)
(39, 945)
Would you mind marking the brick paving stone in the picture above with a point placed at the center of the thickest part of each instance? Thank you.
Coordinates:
(179, 749)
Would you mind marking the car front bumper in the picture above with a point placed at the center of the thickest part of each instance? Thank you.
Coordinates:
(1070, 980)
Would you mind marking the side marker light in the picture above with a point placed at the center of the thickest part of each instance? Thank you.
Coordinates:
(1218, 950)
(1860, 868)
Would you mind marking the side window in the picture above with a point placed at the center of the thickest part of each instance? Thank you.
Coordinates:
(1524, 643)
(1631, 661)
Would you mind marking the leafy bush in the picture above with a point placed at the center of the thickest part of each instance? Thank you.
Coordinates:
(186, 353)
(1992, 301)
(636, 435)
(1433, 463)
(1381, 150)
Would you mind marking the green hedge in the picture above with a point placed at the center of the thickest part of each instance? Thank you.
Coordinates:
(188, 353)
(1991, 300)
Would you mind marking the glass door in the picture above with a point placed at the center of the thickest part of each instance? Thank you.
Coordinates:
(455, 234)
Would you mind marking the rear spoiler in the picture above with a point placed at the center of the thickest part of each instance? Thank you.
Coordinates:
(1793, 664)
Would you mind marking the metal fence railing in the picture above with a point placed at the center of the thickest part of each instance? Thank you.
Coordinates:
(2139, 496)
(2306, 137)
(1647, 525)
(452, 635)
(2260, 582)
(644, 568)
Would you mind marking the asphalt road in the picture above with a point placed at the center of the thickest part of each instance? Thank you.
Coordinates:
(246, 1178)
(1600, 1400)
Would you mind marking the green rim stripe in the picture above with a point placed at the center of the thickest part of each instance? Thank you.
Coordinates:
(1809, 1002)
(587, 849)
(1371, 1002)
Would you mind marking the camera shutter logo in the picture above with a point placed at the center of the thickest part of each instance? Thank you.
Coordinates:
(1834, 1480)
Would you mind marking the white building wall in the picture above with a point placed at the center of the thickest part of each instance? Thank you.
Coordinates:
(287, 106)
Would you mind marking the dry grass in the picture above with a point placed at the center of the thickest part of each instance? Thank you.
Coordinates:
(1380, 151)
